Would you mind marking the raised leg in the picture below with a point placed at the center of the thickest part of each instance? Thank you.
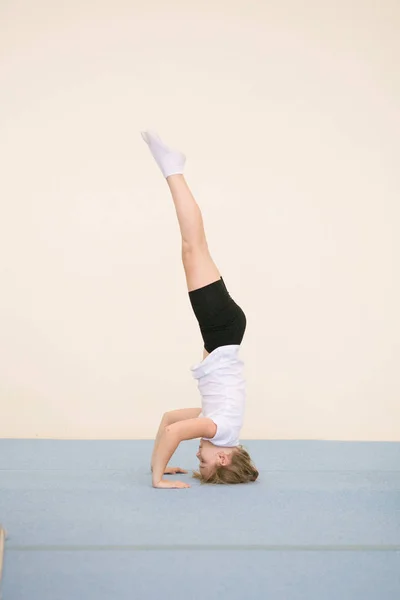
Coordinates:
(200, 269)
(221, 320)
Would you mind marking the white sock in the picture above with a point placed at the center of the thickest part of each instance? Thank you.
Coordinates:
(171, 162)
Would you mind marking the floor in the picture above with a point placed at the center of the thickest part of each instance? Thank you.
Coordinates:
(83, 522)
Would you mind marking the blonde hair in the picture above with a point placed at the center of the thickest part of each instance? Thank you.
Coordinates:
(241, 470)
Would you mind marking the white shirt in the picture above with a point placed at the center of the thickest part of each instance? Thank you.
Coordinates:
(222, 387)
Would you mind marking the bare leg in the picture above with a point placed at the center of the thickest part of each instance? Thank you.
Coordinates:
(200, 269)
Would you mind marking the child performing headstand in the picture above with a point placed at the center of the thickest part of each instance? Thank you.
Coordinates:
(220, 375)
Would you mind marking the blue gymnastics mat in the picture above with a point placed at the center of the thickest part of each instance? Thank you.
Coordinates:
(321, 523)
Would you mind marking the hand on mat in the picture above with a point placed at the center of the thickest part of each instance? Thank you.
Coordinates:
(173, 470)
(164, 483)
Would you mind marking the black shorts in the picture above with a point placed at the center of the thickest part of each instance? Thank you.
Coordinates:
(222, 322)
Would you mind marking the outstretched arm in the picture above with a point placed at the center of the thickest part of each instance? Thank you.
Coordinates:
(170, 440)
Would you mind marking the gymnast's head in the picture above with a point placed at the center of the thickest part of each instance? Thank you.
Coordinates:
(224, 465)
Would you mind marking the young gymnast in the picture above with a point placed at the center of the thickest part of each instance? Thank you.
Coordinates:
(220, 375)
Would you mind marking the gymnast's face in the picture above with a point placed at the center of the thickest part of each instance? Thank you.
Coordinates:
(210, 457)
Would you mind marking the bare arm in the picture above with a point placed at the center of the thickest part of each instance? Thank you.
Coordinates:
(169, 441)
(182, 414)
(171, 417)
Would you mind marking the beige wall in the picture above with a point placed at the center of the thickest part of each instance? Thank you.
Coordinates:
(289, 115)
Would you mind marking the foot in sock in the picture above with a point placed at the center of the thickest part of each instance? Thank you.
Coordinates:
(171, 162)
